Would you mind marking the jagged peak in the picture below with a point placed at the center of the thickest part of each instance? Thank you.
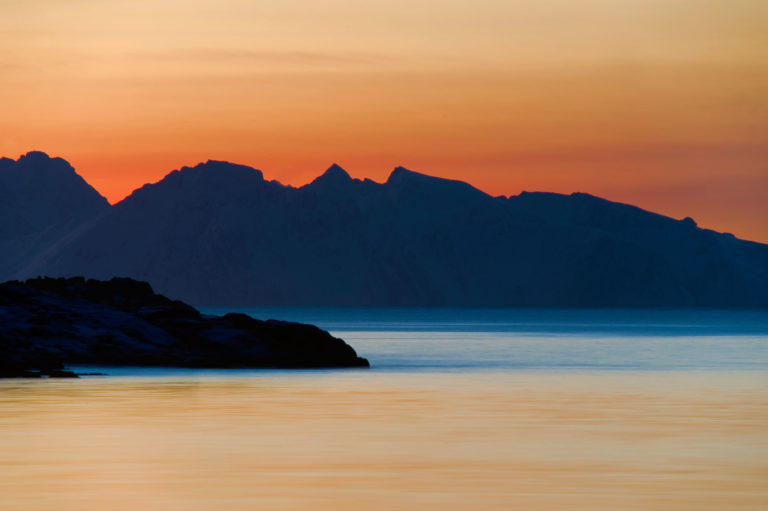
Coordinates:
(335, 174)
(336, 171)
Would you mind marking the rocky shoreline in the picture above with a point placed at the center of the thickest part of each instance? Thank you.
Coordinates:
(48, 324)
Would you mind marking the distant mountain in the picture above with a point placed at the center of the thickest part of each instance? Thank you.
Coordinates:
(42, 200)
(220, 234)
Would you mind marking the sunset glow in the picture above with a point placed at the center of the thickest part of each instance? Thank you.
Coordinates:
(659, 104)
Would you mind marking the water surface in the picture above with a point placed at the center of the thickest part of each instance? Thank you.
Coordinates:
(462, 410)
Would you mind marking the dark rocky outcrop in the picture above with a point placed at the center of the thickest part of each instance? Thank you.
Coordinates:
(47, 324)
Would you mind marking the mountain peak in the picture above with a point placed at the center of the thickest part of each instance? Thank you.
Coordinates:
(336, 169)
(224, 166)
(333, 176)
(42, 200)
(209, 180)
(336, 173)
(40, 174)
(40, 161)
(35, 156)
(216, 172)
(401, 175)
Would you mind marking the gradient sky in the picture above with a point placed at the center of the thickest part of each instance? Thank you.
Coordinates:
(660, 103)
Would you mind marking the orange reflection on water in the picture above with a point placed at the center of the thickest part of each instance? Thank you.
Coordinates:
(373, 441)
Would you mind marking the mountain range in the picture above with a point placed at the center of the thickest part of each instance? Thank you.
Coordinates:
(220, 234)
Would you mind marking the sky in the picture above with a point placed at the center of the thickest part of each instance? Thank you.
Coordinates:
(658, 103)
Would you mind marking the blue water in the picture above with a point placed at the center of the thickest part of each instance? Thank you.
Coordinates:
(503, 339)
(461, 410)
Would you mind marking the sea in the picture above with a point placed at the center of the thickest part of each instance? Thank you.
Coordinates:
(461, 409)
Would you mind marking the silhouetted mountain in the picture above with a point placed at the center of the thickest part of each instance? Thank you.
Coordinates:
(42, 200)
(219, 234)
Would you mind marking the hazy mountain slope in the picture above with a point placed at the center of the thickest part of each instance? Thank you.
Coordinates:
(42, 200)
(660, 260)
(220, 234)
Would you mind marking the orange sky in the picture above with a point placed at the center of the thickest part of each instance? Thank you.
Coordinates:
(660, 103)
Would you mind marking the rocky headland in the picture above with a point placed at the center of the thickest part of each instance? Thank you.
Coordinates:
(48, 324)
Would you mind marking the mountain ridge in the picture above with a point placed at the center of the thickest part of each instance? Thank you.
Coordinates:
(220, 234)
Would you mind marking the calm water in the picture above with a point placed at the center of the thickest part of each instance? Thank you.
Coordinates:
(462, 410)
